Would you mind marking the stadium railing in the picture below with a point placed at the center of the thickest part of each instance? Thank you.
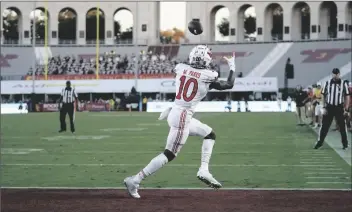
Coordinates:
(144, 42)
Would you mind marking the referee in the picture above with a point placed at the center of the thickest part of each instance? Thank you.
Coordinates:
(335, 94)
(68, 97)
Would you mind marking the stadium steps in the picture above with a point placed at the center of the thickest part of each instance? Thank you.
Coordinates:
(344, 70)
(270, 60)
(42, 53)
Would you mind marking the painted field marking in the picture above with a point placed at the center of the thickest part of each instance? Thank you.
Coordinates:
(321, 157)
(125, 115)
(73, 137)
(145, 152)
(327, 177)
(122, 141)
(347, 183)
(315, 159)
(318, 162)
(313, 154)
(149, 124)
(328, 173)
(324, 169)
(345, 155)
(19, 151)
(129, 129)
(181, 188)
(170, 165)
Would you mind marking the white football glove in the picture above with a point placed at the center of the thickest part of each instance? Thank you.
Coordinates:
(231, 61)
(165, 113)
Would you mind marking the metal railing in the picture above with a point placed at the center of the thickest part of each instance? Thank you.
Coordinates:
(144, 42)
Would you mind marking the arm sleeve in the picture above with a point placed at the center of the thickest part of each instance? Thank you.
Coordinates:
(323, 91)
(345, 88)
(223, 85)
(75, 94)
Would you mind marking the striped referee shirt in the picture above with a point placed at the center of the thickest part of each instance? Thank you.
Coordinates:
(335, 91)
(68, 95)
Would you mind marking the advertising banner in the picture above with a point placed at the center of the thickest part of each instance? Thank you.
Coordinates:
(97, 107)
(49, 107)
(237, 106)
(14, 108)
(54, 107)
(266, 84)
(101, 76)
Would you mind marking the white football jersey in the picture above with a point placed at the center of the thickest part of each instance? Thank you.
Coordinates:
(192, 85)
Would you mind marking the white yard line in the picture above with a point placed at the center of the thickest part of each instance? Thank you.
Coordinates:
(317, 162)
(313, 154)
(326, 177)
(347, 183)
(324, 169)
(180, 188)
(171, 165)
(119, 139)
(328, 173)
(314, 159)
(142, 152)
(155, 152)
(336, 146)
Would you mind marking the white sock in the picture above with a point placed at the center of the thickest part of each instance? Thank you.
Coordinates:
(207, 149)
(154, 165)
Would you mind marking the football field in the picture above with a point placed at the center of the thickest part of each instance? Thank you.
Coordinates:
(253, 151)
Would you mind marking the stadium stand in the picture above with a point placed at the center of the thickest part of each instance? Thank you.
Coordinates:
(312, 60)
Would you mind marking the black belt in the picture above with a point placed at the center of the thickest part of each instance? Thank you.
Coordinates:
(329, 105)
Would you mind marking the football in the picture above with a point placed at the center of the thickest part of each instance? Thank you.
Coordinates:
(195, 27)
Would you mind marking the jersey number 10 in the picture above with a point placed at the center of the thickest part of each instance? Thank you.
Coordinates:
(184, 86)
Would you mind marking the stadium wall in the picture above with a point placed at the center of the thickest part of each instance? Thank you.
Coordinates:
(205, 11)
(148, 13)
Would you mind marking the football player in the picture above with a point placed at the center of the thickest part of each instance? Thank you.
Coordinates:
(317, 103)
(193, 82)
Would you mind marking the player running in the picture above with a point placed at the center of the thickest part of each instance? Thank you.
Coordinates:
(193, 82)
(318, 106)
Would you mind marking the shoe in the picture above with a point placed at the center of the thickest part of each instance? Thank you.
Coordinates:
(132, 187)
(318, 145)
(345, 147)
(207, 178)
(60, 131)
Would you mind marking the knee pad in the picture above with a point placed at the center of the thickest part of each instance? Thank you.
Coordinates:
(169, 155)
(211, 136)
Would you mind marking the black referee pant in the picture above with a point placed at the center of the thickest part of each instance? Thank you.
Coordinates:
(338, 113)
(67, 108)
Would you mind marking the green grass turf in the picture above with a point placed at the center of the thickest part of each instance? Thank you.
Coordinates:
(264, 150)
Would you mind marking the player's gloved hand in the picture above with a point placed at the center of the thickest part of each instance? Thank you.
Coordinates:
(165, 113)
(231, 62)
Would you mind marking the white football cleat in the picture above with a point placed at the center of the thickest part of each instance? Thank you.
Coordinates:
(132, 187)
(207, 178)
